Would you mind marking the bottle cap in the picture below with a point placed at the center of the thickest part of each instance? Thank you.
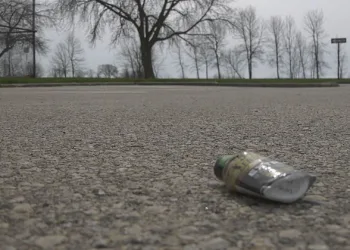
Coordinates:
(220, 164)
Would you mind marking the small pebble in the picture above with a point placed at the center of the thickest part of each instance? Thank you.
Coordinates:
(214, 244)
(50, 241)
(101, 243)
(289, 234)
(318, 247)
(260, 243)
(23, 208)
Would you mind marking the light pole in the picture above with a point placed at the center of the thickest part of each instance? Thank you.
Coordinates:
(338, 41)
(34, 46)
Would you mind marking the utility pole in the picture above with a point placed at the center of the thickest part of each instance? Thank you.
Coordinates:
(34, 46)
(338, 60)
(338, 41)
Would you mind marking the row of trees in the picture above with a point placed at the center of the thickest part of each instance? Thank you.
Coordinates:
(203, 34)
(68, 58)
(150, 22)
(68, 61)
(201, 28)
(293, 52)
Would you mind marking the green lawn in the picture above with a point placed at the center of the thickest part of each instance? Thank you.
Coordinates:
(189, 80)
(9, 80)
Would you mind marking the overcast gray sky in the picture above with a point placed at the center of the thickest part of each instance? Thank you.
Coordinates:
(336, 14)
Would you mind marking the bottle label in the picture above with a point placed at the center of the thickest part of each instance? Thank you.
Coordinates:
(252, 174)
(263, 172)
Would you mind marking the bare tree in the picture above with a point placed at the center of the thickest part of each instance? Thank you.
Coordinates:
(179, 60)
(75, 53)
(250, 29)
(234, 61)
(130, 51)
(12, 15)
(205, 49)
(80, 73)
(205, 57)
(275, 42)
(153, 21)
(158, 60)
(7, 64)
(290, 46)
(314, 26)
(15, 25)
(27, 69)
(193, 51)
(126, 73)
(68, 57)
(312, 64)
(60, 61)
(107, 70)
(17, 63)
(90, 73)
(132, 58)
(14, 65)
(216, 37)
(302, 51)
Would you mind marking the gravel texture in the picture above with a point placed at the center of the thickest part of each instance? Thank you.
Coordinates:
(131, 167)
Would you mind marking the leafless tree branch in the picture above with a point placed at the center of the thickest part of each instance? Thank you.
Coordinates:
(275, 42)
(153, 21)
(250, 30)
(15, 25)
(314, 26)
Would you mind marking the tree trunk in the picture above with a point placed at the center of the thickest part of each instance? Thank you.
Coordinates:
(290, 67)
(196, 62)
(181, 66)
(317, 67)
(277, 59)
(73, 70)
(218, 65)
(317, 62)
(9, 64)
(147, 62)
(277, 66)
(197, 68)
(235, 72)
(207, 69)
(133, 68)
(250, 69)
(304, 72)
(302, 63)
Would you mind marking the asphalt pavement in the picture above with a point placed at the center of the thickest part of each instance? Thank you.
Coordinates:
(131, 167)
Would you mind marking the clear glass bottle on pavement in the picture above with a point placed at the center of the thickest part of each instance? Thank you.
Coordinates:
(253, 174)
